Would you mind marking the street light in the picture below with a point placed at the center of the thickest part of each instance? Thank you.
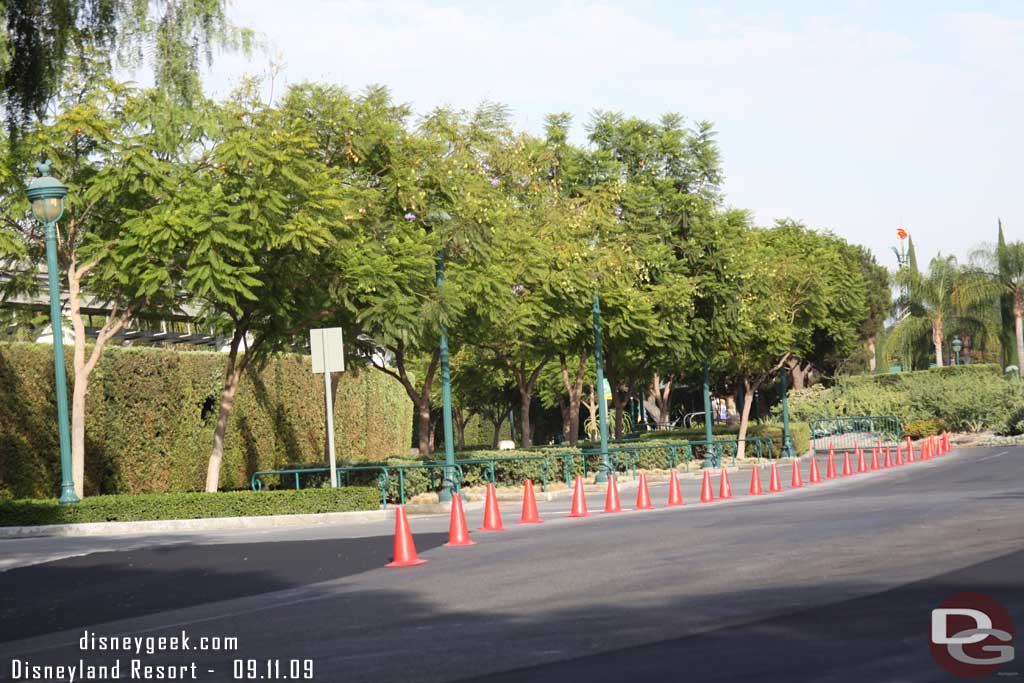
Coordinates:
(47, 196)
(602, 407)
(445, 494)
(957, 345)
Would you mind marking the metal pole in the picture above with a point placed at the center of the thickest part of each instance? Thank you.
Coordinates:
(602, 407)
(67, 487)
(708, 436)
(330, 423)
(787, 441)
(445, 494)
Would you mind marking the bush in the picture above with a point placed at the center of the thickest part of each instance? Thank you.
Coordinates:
(151, 414)
(154, 506)
(919, 429)
(964, 397)
(1014, 424)
(799, 431)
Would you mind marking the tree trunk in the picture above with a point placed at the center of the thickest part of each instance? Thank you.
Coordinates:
(574, 388)
(525, 429)
(497, 432)
(526, 383)
(620, 406)
(420, 399)
(1019, 331)
(227, 402)
(1018, 325)
(748, 400)
(592, 416)
(82, 368)
(563, 409)
(871, 354)
(424, 428)
(937, 341)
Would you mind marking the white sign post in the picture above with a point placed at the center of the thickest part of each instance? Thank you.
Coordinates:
(328, 351)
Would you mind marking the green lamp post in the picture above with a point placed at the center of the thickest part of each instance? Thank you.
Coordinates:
(711, 460)
(602, 404)
(787, 440)
(47, 196)
(957, 346)
(447, 486)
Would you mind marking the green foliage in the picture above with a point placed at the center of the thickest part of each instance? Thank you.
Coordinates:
(799, 431)
(1014, 425)
(919, 429)
(41, 37)
(965, 397)
(152, 413)
(141, 507)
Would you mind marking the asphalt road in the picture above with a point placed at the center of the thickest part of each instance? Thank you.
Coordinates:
(833, 582)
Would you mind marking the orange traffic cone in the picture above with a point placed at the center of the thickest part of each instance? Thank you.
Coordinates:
(862, 466)
(847, 465)
(946, 443)
(899, 455)
(774, 485)
(530, 514)
(611, 499)
(830, 465)
(492, 515)
(888, 458)
(755, 481)
(815, 476)
(707, 495)
(797, 480)
(874, 459)
(932, 447)
(643, 495)
(925, 453)
(458, 533)
(405, 548)
(675, 495)
(579, 500)
(910, 450)
(724, 489)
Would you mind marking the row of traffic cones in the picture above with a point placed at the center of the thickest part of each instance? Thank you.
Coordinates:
(458, 533)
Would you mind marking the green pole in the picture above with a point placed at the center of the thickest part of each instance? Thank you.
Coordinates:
(712, 461)
(445, 494)
(67, 487)
(787, 441)
(602, 410)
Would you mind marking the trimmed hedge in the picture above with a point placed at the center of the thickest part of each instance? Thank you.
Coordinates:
(155, 506)
(798, 430)
(151, 414)
(964, 398)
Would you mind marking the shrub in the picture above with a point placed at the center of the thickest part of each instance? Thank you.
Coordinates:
(965, 397)
(1014, 423)
(799, 431)
(918, 429)
(155, 506)
(151, 414)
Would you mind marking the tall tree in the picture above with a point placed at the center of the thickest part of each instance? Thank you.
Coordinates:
(998, 276)
(262, 209)
(125, 155)
(43, 36)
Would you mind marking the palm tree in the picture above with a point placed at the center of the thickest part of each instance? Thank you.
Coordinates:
(999, 271)
(941, 301)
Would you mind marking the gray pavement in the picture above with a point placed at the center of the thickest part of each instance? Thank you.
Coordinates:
(834, 581)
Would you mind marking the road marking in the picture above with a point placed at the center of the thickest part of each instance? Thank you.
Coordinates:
(989, 457)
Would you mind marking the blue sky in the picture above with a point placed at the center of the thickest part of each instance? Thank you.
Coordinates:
(854, 116)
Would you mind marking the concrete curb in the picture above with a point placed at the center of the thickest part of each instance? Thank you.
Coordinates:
(206, 524)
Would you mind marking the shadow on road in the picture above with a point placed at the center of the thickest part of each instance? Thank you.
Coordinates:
(108, 586)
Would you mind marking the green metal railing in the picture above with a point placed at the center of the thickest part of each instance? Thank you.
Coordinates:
(492, 462)
(844, 433)
(383, 481)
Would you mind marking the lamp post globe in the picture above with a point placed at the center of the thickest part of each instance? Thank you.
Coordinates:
(47, 196)
(957, 346)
